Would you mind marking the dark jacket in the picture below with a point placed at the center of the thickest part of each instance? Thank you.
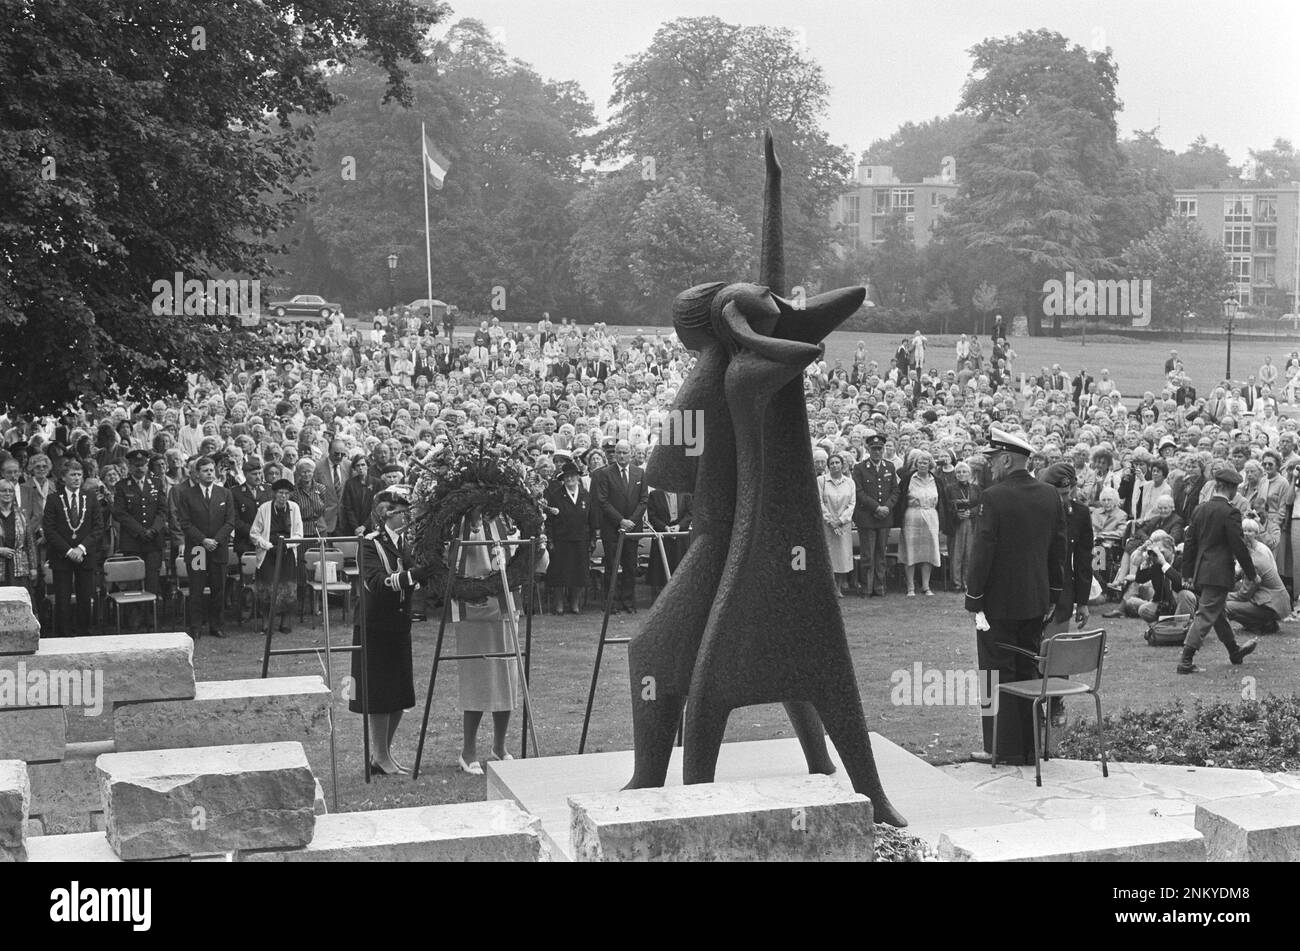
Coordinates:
(573, 522)
(62, 532)
(1078, 567)
(1212, 543)
(1166, 584)
(354, 508)
(657, 513)
(139, 513)
(962, 498)
(1017, 564)
(616, 499)
(874, 490)
(200, 519)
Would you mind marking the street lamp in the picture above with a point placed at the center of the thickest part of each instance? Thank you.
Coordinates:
(1230, 304)
(392, 280)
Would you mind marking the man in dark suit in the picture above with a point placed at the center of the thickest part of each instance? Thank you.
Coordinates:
(206, 513)
(357, 500)
(72, 536)
(1016, 576)
(667, 512)
(1079, 387)
(621, 499)
(332, 473)
(876, 482)
(140, 507)
(1212, 543)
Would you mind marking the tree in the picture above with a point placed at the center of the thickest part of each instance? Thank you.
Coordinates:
(943, 306)
(134, 146)
(1202, 165)
(1188, 271)
(985, 299)
(917, 149)
(679, 237)
(692, 108)
(1279, 165)
(894, 265)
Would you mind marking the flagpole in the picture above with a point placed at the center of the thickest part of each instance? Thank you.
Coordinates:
(428, 248)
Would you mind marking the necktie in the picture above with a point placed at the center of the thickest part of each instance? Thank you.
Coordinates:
(672, 507)
(336, 476)
(207, 495)
(72, 504)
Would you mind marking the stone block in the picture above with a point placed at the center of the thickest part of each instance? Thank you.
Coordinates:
(15, 803)
(97, 672)
(16, 854)
(318, 803)
(71, 787)
(164, 803)
(494, 831)
(33, 734)
(79, 847)
(1251, 828)
(20, 632)
(228, 713)
(1122, 839)
(84, 728)
(799, 818)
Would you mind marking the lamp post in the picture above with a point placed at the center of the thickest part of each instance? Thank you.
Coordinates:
(392, 280)
(1230, 304)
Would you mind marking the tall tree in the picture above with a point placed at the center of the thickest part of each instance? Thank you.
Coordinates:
(1279, 165)
(917, 149)
(138, 140)
(1188, 271)
(1202, 165)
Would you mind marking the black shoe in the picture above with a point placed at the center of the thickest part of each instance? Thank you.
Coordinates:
(377, 770)
(1270, 628)
(1242, 651)
(1187, 664)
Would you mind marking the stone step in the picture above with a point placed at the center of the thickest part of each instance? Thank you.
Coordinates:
(1252, 828)
(801, 818)
(164, 803)
(97, 672)
(494, 831)
(33, 734)
(20, 632)
(70, 787)
(1122, 839)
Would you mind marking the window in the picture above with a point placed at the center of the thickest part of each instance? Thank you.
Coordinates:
(903, 199)
(1236, 238)
(1265, 270)
(1266, 209)
(1185, 207)
(1240, 265)
(882, 202)
(1236, 208)
(851, 206)
(1266, 239)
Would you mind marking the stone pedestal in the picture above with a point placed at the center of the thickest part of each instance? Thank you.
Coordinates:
(495, 831)
(33, 734)
(20, 632)
(803, 818)
(165, 803)
(1125, 839)
(1251, 829)
(81, 671)
(15, 802)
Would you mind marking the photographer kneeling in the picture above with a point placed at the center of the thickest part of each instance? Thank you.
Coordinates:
(1157, 569)
(1258, 605)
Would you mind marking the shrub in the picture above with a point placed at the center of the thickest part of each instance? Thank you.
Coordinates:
(1248, 734)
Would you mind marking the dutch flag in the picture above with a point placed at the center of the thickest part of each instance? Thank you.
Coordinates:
(435, 164)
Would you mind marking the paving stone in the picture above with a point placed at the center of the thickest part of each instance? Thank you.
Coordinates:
(1251, 828)
(802, 818)
(494, 831)
(1199, 783)
(1122, 839)
(163, 803)
(33, 734)
(20, 632)
(15, 803)
(107, 670)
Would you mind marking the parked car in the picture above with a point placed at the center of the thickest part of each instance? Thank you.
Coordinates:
(304, 305)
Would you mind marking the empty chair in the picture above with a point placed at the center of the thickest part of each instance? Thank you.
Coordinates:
(128, 570)
(326, 574)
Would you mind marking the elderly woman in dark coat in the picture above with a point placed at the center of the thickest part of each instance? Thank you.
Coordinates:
(568, 532)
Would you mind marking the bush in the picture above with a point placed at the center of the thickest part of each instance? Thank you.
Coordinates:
(1249, 734)
(897, 845)
(893, 320)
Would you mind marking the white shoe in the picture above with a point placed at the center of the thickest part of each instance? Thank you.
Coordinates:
(493, 758)
(474, 769)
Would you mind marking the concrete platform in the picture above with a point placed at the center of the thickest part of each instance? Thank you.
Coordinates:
(932, 801)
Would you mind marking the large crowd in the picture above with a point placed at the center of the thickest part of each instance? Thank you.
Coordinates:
(350, 407)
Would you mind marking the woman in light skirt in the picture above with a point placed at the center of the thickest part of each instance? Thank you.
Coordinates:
(838, 497)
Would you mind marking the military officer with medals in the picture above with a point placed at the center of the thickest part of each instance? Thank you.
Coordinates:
(876, 481)
(140, 508)
(1015, 579)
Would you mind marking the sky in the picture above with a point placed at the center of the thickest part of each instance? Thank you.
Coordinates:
(1224, 70)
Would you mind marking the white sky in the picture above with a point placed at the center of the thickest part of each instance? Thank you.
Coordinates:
(1228, 70)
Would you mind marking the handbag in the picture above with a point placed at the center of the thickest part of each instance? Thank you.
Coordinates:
(1168, 631)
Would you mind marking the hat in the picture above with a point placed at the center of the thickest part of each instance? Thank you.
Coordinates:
(874, 438)
(1228, 475)
(392, 467)
(1168, 441)
(1060, 474)
(569, 469)
(395, 495)
(1002, 441)
(138, 455)
(281, 485)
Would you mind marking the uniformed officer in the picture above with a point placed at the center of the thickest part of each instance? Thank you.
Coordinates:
(876, 481)
(140, 507)
(1015, 579)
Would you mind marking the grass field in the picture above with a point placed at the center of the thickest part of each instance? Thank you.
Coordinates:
(885, 635)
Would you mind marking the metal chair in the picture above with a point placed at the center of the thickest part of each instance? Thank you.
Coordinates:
(248, 582)
(317, 577)
(128, 569)
(1063, 655)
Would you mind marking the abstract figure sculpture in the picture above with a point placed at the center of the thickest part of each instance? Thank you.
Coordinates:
(750, 615)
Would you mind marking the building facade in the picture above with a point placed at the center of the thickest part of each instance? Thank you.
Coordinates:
(877, 198)
(1258, 229)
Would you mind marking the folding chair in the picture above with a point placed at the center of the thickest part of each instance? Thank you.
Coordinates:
(1062, 655)
(596, 570)
(319, 574)
(123, 570)
(248, 582)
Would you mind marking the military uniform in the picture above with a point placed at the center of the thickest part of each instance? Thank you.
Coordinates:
(1015, 577)
(141, 511)
(877, 485)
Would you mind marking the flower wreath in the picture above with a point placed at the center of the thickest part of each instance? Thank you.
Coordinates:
(454, 483)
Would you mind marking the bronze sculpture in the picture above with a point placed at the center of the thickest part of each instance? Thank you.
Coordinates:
(750, 615)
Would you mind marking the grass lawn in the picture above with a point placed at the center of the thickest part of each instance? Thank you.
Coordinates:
(885, 635)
